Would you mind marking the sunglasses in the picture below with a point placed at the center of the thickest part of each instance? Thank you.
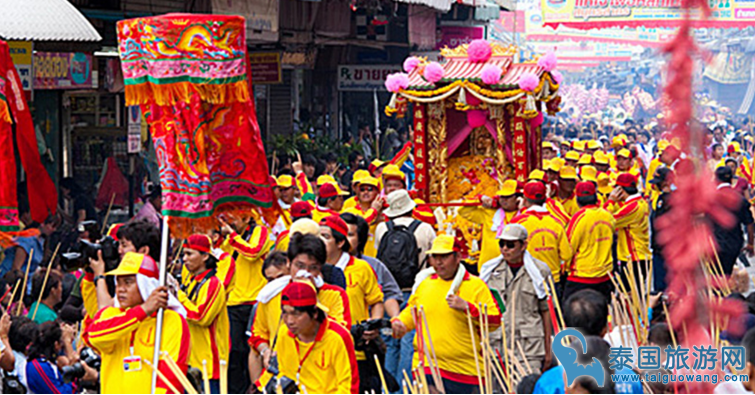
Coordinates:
(508, 244)
(367, 189)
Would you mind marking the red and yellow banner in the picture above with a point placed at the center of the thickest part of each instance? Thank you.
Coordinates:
(519, 146)
(420, 148)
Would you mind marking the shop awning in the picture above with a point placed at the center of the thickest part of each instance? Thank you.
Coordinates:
(44, 20)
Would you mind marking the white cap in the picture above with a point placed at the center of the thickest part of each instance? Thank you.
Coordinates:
(513, 232)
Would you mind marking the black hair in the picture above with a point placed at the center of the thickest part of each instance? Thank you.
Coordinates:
(70, 314)
(538, 202)
(308, 159)
(287, 172)
(211, 262)
(277, 259)
(724, 174)
(599, 349)
(323, 202)
(659, 334)
(587, 200)
(346, 247)
(43, 345)
(22, 333)
(73, 186)
(38, 279)
(330, 157)
(363, 229)
(716, 145)
(587, 310)
(142, 233)
(630, 190)
(308, 245)
(312, 312)
(353, 156)
(527, 384)
(749, 344)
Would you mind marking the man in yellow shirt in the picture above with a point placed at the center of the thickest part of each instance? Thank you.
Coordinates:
(329, 201)
(567, 181)
(248, 250)
(631, 212)
(313, 351)
(205, 302)
(554, 208)
(356, 179)
(493, 215)
(547, 240)
(590, 233)
(572, 157)
(123, 335)
(447, 294)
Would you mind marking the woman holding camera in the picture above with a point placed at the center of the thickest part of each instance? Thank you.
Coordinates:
(42, 374)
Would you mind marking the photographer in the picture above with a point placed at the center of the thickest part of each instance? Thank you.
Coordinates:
(22, 333)
(139, 236)
(42, 374)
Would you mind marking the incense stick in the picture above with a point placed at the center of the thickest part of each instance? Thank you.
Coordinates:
(23, 287)
(412, 387)
(380, 372)
(434, 362)
(41, 292)
(107, 215)
(13, 295)
(474, 349)
(188, 387)
(524, 358)
(223, 376)
(205, 377)
(558, 303)
(163, 378)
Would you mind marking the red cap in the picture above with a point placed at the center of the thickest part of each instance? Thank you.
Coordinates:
(299, 294)
(300, 209)
(336, 224)
(585, 188)
(201, 243)
(534, 190)
(273, 182)
(626, 180)
(328, 190)
(113, 231)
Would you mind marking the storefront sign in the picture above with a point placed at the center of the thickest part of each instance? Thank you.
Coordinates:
(266, 67)
(453, 36)
(594, 14)
(20, 52)
(364, 78)
(62, 70)
(134, 129)
(261, 16)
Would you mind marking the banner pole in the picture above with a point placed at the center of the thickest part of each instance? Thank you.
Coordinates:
(159, 326)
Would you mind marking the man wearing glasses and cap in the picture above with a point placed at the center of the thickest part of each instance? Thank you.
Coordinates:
(519, 278)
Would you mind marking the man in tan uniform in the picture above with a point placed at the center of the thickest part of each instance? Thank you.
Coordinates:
(519, 277)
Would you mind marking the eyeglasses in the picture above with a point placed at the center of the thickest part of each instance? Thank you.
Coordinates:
(508, 244)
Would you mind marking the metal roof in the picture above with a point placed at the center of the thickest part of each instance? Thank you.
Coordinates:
(44, 20)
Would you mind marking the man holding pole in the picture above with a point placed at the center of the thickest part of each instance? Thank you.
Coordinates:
(124, 335)
(446, 301)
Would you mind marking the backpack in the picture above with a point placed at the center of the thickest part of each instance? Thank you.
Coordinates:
(399, 252)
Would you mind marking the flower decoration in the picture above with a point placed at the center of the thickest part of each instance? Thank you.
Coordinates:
(528, 82)
(479, 51)
(396, 82)
(411, 63)
(491, 74)
(548, 61)
(433, 72)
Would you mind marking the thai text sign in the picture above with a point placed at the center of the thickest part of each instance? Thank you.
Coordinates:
(364, 78)
(56, 70)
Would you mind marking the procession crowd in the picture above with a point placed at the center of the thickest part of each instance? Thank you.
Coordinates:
(349, 286)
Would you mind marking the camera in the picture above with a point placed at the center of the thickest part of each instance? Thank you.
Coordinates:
(78, 256)
(287, 385)
(357, 331)
(76, 371)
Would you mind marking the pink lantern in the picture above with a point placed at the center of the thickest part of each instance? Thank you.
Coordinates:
(476, 118)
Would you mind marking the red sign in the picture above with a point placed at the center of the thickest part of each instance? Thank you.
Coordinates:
(266, 67)
(420, 149)
(519, 133)
(453, 36)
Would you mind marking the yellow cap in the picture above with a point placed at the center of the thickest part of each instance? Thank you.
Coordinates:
(554, 164)
(359, 175)
(130, 264)
(566, 143)
(568, 173)
(588, 173)
(624, 153)
(662, 145)
(548, 145)
(371, 181)
(579, 145)
(600, 158)
(442, 245)
(508, 188)
(285, 181)
(572, 155)
(585, 159)
(592, 144)
(392, 171)
(324, 179)
(377, 163)
(734, 146)
(537, 174)
(604, 183)
(619, 141)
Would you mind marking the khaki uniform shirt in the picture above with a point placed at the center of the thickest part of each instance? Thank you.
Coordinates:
(529, 321)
